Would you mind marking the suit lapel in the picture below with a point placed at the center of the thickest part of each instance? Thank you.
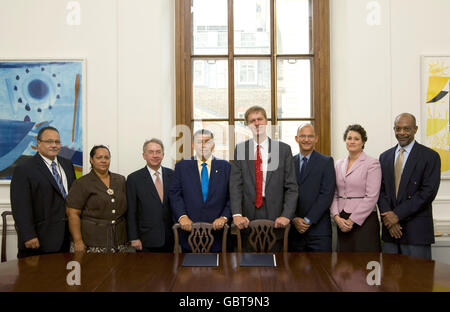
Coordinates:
(309, 165)
(196, 179)
(165, 184)
(390, 179)
(66, 171)
(150, 184)
(212, 176)
(358, 163)
(408, 169)
(46, 172)
(297, 167)
(269, 159)
(249, 147)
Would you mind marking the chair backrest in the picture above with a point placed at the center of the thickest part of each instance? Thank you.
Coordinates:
(200, 238)
(262, 237)
(4, 226)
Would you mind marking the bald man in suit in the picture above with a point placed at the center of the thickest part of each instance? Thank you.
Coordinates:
(411, 174)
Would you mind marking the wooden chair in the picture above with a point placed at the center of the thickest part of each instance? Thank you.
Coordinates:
(200, 238)
(4, 226)
(262, 236)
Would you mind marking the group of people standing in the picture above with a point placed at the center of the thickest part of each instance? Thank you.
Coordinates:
(104, 212)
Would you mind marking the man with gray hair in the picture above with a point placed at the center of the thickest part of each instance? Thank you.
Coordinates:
(149, 216)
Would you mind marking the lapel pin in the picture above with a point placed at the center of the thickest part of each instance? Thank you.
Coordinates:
(217, 171)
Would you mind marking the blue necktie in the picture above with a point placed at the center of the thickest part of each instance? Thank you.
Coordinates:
(58, 179)
(205, 181)
(302, 169)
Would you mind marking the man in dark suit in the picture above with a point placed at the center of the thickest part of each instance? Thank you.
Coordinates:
(39, 187)
(262, 181)
(199, 191)
(316, 180)
(410, 182)
(149, 217)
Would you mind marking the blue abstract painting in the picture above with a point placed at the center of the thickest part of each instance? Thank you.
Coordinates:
(33, 95)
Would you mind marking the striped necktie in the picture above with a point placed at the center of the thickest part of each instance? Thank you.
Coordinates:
(58, 179)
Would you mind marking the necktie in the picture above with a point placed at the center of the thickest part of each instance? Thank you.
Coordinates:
(302, 169)
(205, 181)
(58, 179)
(159, 186)
(398, 169)
(259, 178)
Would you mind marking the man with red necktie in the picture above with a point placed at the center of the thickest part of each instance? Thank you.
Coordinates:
(262, 181)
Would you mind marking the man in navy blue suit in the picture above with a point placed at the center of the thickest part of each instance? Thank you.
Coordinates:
(410, 182)
(199, 191)
(316, 180)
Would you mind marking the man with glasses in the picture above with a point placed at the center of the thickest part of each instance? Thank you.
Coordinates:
(316, 181)
(39, 187)
(410, 182)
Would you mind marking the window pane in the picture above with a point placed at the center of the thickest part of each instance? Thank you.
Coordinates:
(220, 132)
(252, 27)
(293, 26)
(294, 88)
(209, 27)
(252, 85)
(210, 78)
(243, 133)
(286, 132)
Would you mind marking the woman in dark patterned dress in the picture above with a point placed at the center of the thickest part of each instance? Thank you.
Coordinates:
(96, 207)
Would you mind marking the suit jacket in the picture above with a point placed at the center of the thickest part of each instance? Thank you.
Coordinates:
(315, 192)
(281, 186)
(186, 197)
(362, 180)
(149, 219)
(418, 187)
(37, 204)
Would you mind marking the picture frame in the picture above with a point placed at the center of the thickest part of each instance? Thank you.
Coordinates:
(435, 107)
(40, 92)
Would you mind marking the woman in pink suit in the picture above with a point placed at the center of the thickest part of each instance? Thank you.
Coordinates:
(358, 182)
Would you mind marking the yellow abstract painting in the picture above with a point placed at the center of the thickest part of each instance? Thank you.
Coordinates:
(436, 105)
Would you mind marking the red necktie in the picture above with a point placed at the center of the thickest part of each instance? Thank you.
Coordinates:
(259, 178)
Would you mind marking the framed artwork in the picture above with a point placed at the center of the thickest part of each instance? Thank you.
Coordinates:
(34, 94)
(435, 106)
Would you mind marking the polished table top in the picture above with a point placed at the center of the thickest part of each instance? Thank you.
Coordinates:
(295, 272)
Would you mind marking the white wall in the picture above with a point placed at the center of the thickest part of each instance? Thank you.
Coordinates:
(130, 52)
(375, 74)
(129, 47)
(375, 70)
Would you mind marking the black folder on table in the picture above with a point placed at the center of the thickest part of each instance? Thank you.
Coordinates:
(258, 260)
(200, 260)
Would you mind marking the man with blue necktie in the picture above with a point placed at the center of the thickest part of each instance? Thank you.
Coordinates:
(199, 191)
(316, 179)
(39, 187)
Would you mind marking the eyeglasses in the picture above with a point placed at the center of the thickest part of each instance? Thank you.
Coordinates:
(306, 136)
(51, 142)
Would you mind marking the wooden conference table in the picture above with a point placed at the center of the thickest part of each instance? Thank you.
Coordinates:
(295, 272)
